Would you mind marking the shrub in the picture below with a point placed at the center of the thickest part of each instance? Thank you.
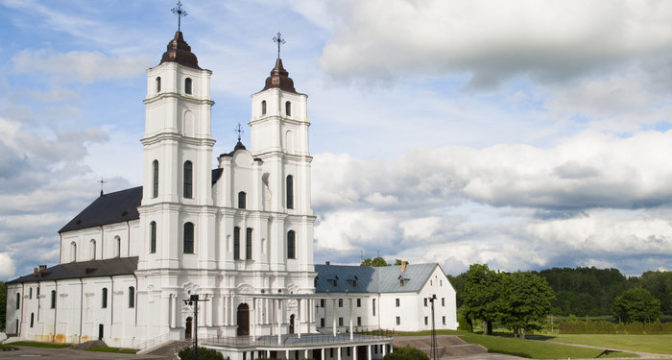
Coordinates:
(464, 323)
(406, 353)
(203, 354)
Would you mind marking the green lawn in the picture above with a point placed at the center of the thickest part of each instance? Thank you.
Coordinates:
(39, 344)
(647, 343)
(112, 350)
(534, 349)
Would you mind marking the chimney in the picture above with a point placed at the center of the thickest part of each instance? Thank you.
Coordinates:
(403, 266)
(43, 267)
(328, 263)
(35, 272)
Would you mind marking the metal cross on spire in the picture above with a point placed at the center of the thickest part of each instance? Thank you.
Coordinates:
(102, 182)
(239, 130)
(180, 13)
(279, 40)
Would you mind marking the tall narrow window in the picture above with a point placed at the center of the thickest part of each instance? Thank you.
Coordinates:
(30, 293)
(248, 244)
(73, 251)
(373, 307)
(131, 297)
(188, 179)
(158, 84)
(53, 299)
(18, 301)
(32, 319)
(263, 107)
(291, 244)
(242, 200)
(117, 246)
(187, 86)
(188, 238)
(152, 237)
(155, 178)
(104, 299)
(290, 192)
(288, 108)
(92, 246)
(236, 243)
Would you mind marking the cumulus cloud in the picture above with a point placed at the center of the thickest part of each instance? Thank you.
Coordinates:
(6, 265)
(590, 198)
(492, 41)
(80, 66)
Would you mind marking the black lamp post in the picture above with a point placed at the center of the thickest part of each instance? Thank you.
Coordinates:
(193, 301)
(434, 351)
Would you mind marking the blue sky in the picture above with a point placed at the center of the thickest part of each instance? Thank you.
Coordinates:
(523, 134)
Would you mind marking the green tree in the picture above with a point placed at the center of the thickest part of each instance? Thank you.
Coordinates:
(406, 353)
(399, 261)
(375, 262)
(3, 305)
(636, 304)
(527, 301)
(482, 298)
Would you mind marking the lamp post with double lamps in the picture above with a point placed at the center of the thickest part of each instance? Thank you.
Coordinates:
(193, 301)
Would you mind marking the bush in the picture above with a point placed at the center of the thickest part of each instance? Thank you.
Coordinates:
(406, 353)
(464, 323)
(203, 354)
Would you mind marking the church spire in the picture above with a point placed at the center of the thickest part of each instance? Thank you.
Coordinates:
(279, 77)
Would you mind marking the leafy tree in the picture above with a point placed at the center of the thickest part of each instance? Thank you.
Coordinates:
(482, 297)
(636, 304)
(375, 262)
(406, 353)
(3, 305)
(203, 354)
(527, 301)
(399, 261)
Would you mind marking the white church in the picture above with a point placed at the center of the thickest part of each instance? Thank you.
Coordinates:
(240, 237)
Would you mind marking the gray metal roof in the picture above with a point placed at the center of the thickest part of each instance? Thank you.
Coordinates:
(83, 269)
(366, 279)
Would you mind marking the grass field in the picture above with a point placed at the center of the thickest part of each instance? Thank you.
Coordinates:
(661, 344)
(39, 344)
(535, 349)
(112, 350)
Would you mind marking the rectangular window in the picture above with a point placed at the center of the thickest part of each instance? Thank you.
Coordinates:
(340, 302)
(37, 292)
(443, 320)
(188, 179)
(236, 243)
(397, 302)
(53, 299)
(426, 320)
(322, 322)
(359, 302)
(321, 303)
(425, 302)
(32, 319)
(242, 200)
(347, 350)
(30, 293)
(340, 321)
(443, 301)
(331, 352)
(398, 320)
(248, 244)
(359, 321)
(373, 307)
(131, 297)
(18, 302)
(104, 298)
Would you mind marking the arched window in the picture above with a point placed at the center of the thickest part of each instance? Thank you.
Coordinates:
(263, 107)
(158, 84)
(152, 237)
(290, 192)
(242, 200)
(248, 244)
(131, 297)
(188, 238)
(73, 251)
(291, 244)
(104, 299)
(236, 243)
(188, 179)
(53, 299)
(187, 86)
(117, 246)
(288, 108)
(92, 247)
(155, 178)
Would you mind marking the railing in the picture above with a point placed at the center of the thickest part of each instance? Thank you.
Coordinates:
(155, 341)
(306, 340)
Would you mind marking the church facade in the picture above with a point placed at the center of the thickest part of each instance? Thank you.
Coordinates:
(239, 236)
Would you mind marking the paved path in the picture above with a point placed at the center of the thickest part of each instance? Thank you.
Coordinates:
(642, 355)
(30, 352)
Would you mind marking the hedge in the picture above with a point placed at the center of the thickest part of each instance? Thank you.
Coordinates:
(607, 327)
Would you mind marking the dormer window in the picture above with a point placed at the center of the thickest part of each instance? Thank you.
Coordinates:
(288, 108)
(263, 107)
(158, 84)
(402, 280)
(334, 281)
(187, 86)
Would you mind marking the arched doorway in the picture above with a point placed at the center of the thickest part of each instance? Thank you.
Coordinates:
(187, 329)
(243, 320)
(291, 324)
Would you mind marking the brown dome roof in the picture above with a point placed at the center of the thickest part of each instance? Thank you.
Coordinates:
(180, 52)
(280, 78)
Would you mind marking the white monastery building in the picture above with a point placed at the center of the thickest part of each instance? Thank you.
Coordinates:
(239, 236)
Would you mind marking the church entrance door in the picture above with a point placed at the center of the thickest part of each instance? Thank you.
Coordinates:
(243, 320)
(291, 324)
(187, 329)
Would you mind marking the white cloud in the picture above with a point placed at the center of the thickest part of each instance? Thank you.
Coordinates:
(80, 66)
(7, 268)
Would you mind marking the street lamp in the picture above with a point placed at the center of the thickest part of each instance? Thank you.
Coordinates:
(193, 301)
(434, 351)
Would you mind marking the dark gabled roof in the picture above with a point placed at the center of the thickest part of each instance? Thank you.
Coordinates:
(385, 279)
(108, 209)
(216, 174)
(84, 269)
